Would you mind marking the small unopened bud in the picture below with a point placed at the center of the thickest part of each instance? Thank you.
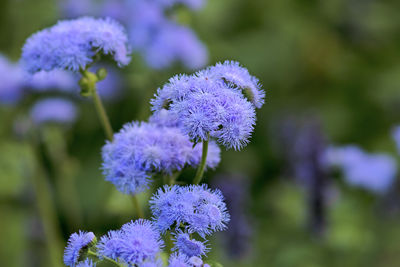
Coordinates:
(101, 74)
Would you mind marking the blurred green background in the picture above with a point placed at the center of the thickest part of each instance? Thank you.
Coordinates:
(335, 60)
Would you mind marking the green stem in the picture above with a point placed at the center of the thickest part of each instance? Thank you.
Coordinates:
(105, 122)
(64, 174)
(88, 87)
(202, 166)
(138, 209)
(104, 257)
(48, 215)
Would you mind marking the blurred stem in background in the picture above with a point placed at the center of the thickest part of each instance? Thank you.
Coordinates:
(318, 178)
(65, 169)
(47, 211)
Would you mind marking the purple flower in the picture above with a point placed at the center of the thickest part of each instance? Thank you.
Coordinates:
(53, 110)
(140, 150)
(396, 137)
(60, 80)
(178, 260)
(152, 30)
(76, 243)
(198, 208)
(189, 247)
(206, 105)
(240, 79)
(72, 45)
(374, 172)
(135, 243)
(12, 82)
(86, 263)
(77, 8)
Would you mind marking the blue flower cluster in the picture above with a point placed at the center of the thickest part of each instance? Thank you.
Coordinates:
(191, 209)
(219, 101)
(181, 260)
(197, 209)
(140, 150)
(374, 172)
(76, 243)
(153, 32)
(73, 44)
(136, 242)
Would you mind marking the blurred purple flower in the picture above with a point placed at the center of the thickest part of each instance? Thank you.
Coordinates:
(235, 189)
(152, 32)
(53, 110)
(59, 80)
(396, 137)
(374, 172)
(12, 82)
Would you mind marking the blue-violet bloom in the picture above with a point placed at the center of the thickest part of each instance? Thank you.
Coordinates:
(76, 243)
(73, 44)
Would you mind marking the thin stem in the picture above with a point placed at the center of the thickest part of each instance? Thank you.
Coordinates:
(104, 257)
(48, 214)
(138, 209)
(64, 174)
(202, 166)
(105, 122)
(109, 133)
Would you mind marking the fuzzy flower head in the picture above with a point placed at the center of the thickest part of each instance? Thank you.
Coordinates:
(181, 260)
(189, 247)
(135, 243)
(53, 110)
(198, 208)
(140, 150)
(205, 104)
(374, 172)
(86, 263)
(76, 243)
(153, 28)
(73, 44)
(240, 79)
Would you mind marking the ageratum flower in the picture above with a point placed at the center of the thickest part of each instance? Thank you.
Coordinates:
(86, 263)
(212, 102)
(239, 78)
(140, 150)
(187, 246)
(135, 243)
(76, 243)
(374, 172)
(73, 44)
(154, 33)
(197, 207)
(56, 110)
(181, 260)
(178, 260)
